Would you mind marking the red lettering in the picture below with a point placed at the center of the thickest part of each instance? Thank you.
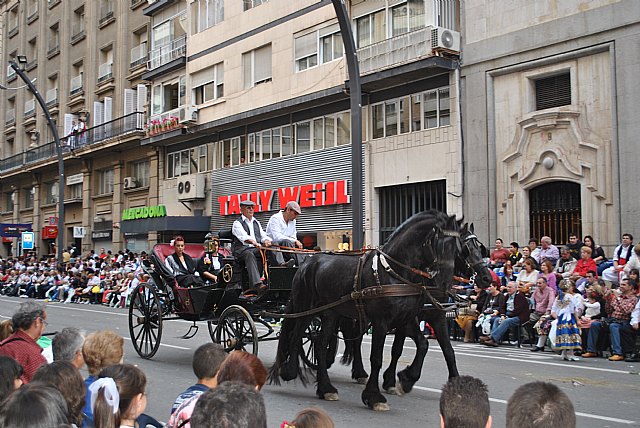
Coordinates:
(223, 202)
(307, 197)
(319, 194)
(234, 205)
(341, 192)
(330, 193)
(266, 198)
(287, 194)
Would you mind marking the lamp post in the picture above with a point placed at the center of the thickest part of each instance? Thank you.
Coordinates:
(23, 60)
(355, 96)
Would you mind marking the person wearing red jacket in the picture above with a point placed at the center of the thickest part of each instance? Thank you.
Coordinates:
(584, 265)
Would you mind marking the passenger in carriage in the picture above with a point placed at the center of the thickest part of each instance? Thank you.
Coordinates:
(247, 237)
(210, 264)
(282, 231)
(182, 266)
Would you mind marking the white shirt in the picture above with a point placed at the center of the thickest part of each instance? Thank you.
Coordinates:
(635, 314)
(239, 232)
(279, 230)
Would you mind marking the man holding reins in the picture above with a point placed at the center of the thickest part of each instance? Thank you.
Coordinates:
(282, 231)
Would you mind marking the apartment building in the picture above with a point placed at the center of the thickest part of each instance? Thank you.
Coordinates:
(87, 59)
(550, 95)
(248, 100)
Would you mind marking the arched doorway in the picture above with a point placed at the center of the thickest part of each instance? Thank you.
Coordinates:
(555, 211)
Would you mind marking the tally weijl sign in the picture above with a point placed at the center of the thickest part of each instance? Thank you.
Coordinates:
(307, 195)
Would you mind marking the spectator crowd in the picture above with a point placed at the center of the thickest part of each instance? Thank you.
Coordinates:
(571, 299)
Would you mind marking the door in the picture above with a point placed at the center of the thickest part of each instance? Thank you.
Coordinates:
(555, 211)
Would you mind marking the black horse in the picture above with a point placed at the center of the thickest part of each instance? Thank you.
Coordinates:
(469, 263)
(427, 242)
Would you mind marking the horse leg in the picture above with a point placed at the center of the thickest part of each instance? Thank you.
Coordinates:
(371, 395)
(442, 334)
(324, 389)
(410, 375)
(389, 376)
(290, 366)
(353, 350)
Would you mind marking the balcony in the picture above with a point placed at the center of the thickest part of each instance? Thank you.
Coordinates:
(175, 49)
(51, 97)
(105, 72)
(395, 51)
(10, 117)
(106, 13)
(77, 34)
(76, 85)
(138, 55)
(29, 108)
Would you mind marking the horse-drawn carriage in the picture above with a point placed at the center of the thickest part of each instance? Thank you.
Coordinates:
(233, 320)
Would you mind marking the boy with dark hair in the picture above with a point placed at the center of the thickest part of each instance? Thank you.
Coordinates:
(206, 362)
(219, 407)
(464, 403)
(540, 405)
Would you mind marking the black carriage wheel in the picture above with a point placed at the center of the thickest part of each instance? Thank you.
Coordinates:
(236, 330)
(145, 320)
(311, 336)
(227, 273)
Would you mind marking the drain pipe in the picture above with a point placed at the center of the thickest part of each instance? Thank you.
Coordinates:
(459, 189)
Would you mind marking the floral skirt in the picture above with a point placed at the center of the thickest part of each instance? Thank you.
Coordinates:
(568, 335)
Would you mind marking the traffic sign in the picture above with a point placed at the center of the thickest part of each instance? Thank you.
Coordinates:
(27, 240)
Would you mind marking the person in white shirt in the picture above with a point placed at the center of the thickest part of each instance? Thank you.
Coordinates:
(248, 236)
(281, 229)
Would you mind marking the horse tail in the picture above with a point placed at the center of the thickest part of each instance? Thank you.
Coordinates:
(283, 353)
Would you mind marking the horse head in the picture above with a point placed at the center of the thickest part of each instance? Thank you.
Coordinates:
(473, 254)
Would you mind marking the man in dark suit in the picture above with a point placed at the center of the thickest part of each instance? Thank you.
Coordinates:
(516, 315)
(248, 236)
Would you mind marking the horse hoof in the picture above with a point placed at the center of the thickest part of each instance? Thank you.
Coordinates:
(362, 380)
(331, 396)
(391, 391)
(381, 407)
(399, 390)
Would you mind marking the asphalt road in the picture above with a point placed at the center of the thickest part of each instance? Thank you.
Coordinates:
(605, 394)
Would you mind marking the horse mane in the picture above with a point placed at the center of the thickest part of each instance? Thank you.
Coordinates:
(450, 222)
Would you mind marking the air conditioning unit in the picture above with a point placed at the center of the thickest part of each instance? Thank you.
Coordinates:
(190, 187)
(130, 183)
(188, 114)
(445, 39)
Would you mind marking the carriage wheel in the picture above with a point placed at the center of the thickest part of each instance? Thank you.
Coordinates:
(236, 330)
(311, 335)
(227, 273)
(145, 320)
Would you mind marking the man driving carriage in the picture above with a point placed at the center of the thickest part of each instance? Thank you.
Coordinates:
(282, 231)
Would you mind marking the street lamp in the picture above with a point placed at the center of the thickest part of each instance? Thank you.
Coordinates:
(22, 59)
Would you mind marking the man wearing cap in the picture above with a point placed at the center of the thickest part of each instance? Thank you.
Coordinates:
(282, 231)
(247, 235)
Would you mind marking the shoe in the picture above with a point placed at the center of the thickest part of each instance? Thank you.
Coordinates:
(484, 338)
(289, 263)
(572, 358)
(616, 358)
(490, 342)
(633, 358)
(537, 349)
(589, 355)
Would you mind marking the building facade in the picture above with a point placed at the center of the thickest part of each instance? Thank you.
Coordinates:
(549, 122)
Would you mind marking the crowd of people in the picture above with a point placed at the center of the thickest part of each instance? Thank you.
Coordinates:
(572, 299)
(38, 393)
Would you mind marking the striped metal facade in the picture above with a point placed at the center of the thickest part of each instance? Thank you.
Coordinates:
(305, 168)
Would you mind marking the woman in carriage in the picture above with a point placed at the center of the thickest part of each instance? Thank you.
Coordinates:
(183, 266)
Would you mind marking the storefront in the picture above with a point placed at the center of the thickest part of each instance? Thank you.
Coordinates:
(11, 233)
(319, 181)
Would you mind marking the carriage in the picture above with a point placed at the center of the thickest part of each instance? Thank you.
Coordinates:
(233, 320)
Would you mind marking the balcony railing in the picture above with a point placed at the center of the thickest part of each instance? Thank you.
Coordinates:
(395, 51)
(76, 85)
(51, 97)
(166, 53)
(10, 117)
(29, 108)
(139, 55)
(106, 12)
(105, 72)
(133, 122)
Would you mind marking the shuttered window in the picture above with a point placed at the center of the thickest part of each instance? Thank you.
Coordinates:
(553, 91)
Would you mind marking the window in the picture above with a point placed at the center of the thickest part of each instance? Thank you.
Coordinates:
(8, 202)
(13, 21)
(32, 53)
(553, 91)
(140, 170)
(371, 28)
(249, 4)
(32, 9)
(168, 96)
(105, 70)
(139, 50)
(51, 193)
(105, 181)
(306, 51)
(188, 161)
(54, 39)
(407, 17)
(75, 191)
(77, 26)
(208, 84)
(318, 47)
(257, 66)
(207, 13)
(106, 11)
(331, 47)
(29, 194)
(76, 78)
(436, 105)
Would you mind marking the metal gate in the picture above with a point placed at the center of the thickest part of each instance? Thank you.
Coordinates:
(554, 211)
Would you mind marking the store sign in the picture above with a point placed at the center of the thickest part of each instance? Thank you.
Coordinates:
(13, 230)
(49, 232)
(307, 195)
(104, 234)
(27, 240)
(79, 231)
(144, 212)
(75, 179)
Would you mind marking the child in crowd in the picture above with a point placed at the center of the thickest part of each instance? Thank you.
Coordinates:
(565, 311)
(312, 417)
(10, 376)
(65, 377)
(118, 396)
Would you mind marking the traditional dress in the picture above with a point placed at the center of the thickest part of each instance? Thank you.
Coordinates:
(568, 333)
